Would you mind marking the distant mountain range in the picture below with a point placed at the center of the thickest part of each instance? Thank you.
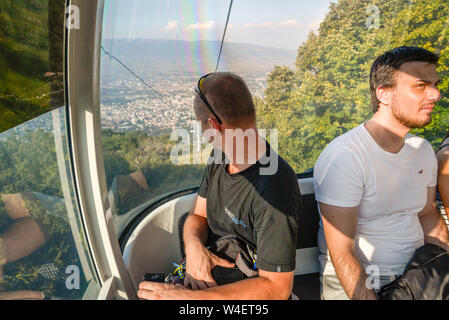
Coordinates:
(176, 56)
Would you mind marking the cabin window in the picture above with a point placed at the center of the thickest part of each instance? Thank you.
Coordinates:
(153, 53)
(43, 248)
(306, 63)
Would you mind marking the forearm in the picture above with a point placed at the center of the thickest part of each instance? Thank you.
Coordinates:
(352, 276)
(258, 288)
(435, 229)
(195, 231)
(21, 239)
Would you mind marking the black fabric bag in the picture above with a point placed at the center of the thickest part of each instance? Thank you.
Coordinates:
(232, 249)
(235, 251)
(426, 277)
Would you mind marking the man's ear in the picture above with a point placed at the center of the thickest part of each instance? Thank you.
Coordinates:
(385, 95)
(214, 124)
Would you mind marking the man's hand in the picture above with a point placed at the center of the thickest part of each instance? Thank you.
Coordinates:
(199, 265)
(161, 291)
(199, 260)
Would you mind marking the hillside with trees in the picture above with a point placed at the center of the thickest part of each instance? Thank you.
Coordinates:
(327, 92)
(31, 59)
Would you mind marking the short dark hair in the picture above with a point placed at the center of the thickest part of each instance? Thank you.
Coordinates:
(384, 67)
(230, 98)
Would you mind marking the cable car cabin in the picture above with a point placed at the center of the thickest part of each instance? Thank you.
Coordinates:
(101, 155)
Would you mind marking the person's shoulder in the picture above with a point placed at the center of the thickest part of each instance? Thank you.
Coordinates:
(283, 183)
(346, 139)
(284, 171)
(443, 157)
(216, 159)
(341, 147)
(420, 145)
(416, 141)
(344, 158)
(279, 191)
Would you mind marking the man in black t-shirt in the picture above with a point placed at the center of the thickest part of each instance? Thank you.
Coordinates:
(248, 191)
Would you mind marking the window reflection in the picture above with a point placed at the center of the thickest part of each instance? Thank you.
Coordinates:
(36, 244)
(31, 59)
(42, 247)
(153, 53)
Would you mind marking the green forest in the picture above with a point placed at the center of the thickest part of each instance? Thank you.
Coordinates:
(31, 59)
(127, 153)
(327, 93)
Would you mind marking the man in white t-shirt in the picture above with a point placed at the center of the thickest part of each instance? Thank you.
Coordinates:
(375, 185)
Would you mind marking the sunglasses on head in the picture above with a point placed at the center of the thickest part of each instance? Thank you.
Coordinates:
(203, 98)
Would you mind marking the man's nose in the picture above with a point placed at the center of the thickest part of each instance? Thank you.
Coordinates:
(434, 94)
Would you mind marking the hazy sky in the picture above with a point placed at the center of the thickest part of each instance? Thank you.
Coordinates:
(275, 23)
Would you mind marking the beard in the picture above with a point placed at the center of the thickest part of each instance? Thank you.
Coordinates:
(405, 119)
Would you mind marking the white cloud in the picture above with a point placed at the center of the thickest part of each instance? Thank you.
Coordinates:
(201, 26)
(171, 25)
(291, 22)
(286, 23)
(262, 24)
(315, 25)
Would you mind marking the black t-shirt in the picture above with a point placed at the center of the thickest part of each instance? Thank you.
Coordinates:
(262, 210)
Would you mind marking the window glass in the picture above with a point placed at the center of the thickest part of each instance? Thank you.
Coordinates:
(153, 53)
(325, 91)
(31, 59)
(307, 64)
(43, 249)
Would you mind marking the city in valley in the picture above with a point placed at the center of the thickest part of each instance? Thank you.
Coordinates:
(161, 105)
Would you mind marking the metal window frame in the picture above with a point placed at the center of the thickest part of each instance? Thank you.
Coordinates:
(83, 47)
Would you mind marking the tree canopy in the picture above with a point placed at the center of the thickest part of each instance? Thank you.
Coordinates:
(327, 92)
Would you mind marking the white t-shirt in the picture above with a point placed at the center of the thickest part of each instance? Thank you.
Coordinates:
(389, 189)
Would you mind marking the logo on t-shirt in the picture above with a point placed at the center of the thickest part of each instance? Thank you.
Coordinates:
(234, 219)
(420, 171)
